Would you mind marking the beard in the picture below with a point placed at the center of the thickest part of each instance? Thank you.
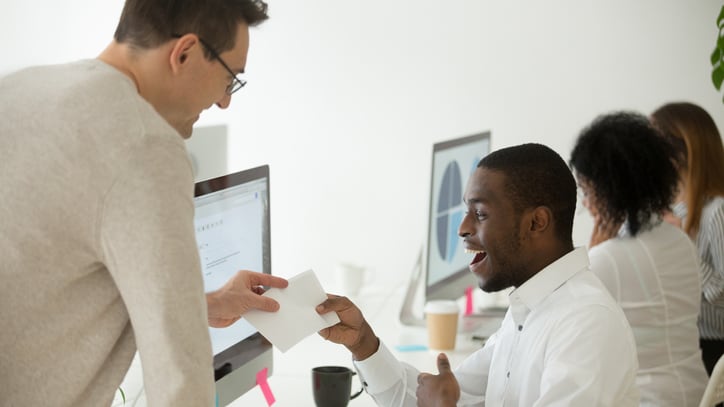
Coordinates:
(505, 266)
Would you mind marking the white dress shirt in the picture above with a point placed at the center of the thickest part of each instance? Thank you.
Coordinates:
(563, 342)
(655, 277)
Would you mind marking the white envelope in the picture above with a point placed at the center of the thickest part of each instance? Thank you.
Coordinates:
(297, 317)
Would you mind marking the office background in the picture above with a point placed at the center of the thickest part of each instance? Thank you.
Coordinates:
(345, 99)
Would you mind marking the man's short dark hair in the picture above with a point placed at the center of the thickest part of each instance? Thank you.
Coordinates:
(630, 168)
(146, 24)
(535, 175)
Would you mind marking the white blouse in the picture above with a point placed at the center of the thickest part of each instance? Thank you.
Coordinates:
(655, 277)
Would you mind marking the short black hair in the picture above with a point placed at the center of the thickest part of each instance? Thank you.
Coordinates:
(146, 24)
(630, 168)
(535, 176)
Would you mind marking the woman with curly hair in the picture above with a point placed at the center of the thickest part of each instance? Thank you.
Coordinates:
(627, 175)
(700, 161)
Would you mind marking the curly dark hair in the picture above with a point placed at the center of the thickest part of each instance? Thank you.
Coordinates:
(536, 175)
(630, 168)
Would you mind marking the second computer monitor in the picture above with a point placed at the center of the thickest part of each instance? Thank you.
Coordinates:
(446, 263)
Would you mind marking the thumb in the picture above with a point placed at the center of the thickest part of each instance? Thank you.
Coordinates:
(443, 364)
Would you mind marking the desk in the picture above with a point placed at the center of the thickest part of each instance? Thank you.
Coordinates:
(291, 380)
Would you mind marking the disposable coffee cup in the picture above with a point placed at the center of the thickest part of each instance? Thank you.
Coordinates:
(442, 324)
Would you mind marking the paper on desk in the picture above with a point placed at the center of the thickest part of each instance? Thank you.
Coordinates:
(297, 317)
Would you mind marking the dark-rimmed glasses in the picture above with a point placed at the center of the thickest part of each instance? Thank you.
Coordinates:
(236, 82)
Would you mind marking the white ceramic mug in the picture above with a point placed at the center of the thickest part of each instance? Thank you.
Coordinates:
(350, 277)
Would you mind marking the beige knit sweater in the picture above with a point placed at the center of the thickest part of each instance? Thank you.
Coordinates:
(97, 247)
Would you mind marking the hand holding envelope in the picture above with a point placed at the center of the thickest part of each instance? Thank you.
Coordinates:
(297, 317)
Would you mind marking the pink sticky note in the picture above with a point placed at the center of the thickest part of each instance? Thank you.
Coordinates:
(261, 380)
(469, 300)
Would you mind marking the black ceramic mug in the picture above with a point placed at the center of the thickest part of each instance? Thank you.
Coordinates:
(332, 386)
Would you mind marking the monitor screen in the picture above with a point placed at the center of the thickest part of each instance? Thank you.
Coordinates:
(232, 233)
(446, 263)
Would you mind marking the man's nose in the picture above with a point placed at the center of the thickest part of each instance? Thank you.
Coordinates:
(224, 102)
(463, 230)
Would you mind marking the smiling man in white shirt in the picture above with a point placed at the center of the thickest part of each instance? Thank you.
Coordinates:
(563, 342)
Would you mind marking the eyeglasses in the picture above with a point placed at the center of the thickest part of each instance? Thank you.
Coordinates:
(236, 83)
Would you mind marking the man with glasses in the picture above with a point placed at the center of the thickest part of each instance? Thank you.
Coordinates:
(235, 83)
(98, 254)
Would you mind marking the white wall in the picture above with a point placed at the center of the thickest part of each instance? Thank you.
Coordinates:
(345, 99)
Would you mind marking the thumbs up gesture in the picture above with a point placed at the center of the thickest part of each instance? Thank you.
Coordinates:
(441, 390)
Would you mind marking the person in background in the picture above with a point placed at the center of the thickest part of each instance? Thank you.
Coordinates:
(98, 255)
(700, 209)
(627, 176)
(563, 340)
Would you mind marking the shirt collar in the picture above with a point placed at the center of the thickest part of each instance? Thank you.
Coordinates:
(531, 293)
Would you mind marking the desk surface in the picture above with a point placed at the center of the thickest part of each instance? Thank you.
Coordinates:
(292, 383)
(291, 380)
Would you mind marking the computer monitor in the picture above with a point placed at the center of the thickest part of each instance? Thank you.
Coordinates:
(446, 263)
(233, 233)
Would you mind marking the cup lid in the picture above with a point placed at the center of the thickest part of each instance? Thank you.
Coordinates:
(442, 307)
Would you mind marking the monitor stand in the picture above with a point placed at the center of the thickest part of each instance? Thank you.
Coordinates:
(407, 314)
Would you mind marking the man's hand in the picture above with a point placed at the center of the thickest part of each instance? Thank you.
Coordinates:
(352, 331)
(440, 390)
(240, 294)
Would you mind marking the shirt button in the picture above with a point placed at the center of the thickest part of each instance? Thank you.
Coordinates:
(520, 327)
(507, 375)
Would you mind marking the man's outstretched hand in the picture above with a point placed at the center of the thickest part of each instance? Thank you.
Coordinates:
(240, 294)
(352, 331)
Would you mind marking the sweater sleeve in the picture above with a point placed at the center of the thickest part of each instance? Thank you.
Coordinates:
(148, 240)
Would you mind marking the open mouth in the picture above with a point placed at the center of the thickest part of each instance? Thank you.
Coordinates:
(479, 256)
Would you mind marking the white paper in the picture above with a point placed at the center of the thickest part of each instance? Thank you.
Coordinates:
(297, 317)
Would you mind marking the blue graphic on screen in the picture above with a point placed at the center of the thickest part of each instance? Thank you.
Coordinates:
(451, 170)
(449, 211)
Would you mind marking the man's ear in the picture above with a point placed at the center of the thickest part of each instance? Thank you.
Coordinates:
(182, 50)
(541, 219)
